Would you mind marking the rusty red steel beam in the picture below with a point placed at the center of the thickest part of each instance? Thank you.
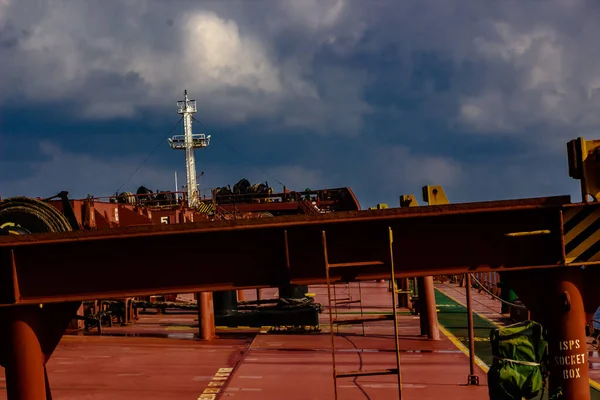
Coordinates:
(228, 255)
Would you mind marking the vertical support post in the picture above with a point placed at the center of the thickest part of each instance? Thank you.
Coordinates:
(198, 295)
(258, 294)
(131, 310)
(416, 286)
(433, 332)
(206, 316)
(361, 307)
(240, 295)
(326, 259)
(25, 372)
(473, 379)
(422, 305)
(567, 339)
(433, 195)
(395, 311)
(125, 320)
(334, 299)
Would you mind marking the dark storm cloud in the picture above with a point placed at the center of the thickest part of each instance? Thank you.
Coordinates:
(384, 96)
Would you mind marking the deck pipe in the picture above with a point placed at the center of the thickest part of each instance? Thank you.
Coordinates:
(473, 378)
(206, 316)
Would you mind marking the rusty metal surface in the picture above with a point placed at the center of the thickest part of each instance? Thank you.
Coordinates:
(559, 306)
(206, 316)
(283, 221)
(567, 338)
(253, 253)
(25, 375)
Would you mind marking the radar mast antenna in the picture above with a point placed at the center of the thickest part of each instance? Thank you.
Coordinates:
(189, 142)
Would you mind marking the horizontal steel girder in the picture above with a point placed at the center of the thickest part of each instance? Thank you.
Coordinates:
(226, 255)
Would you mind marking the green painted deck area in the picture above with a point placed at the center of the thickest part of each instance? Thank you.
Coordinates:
(453, 317)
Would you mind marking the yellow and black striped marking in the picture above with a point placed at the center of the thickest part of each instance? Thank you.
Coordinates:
(205, 207)
(582, 234)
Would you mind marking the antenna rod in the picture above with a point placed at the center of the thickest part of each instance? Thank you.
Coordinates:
(189, 142)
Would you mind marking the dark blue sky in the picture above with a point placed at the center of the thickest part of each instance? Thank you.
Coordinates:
(383, 96)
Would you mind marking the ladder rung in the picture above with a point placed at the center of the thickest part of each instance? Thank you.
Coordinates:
(348, 302)
(364, 319)
(356, 264)
(342, 299)
(348, 374)
(403, 291)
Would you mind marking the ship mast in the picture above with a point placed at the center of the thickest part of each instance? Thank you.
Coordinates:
(189, 142)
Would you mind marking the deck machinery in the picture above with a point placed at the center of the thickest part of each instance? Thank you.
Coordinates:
(147, 208)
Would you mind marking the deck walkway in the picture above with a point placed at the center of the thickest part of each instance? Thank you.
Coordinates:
(159, 358)
(299, 366)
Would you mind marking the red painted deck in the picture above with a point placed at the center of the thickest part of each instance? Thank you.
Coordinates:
(169, 363)
(134, 368)
(299, 367)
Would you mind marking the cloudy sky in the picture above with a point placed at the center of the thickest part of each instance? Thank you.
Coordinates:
(384, 96)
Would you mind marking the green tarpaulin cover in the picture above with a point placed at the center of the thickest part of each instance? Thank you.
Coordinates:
(517, 372)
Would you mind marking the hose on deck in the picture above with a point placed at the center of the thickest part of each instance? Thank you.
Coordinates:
(24, 215)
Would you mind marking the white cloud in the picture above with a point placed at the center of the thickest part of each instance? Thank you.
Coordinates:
(226, 58)
(541, 76)
(485, 113)
(541, 71)
(316, 14)
(3, 11)
(128, 56)
(210, 54)
(242, 63)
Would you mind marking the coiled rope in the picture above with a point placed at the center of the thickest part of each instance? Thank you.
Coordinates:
(22, 215)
